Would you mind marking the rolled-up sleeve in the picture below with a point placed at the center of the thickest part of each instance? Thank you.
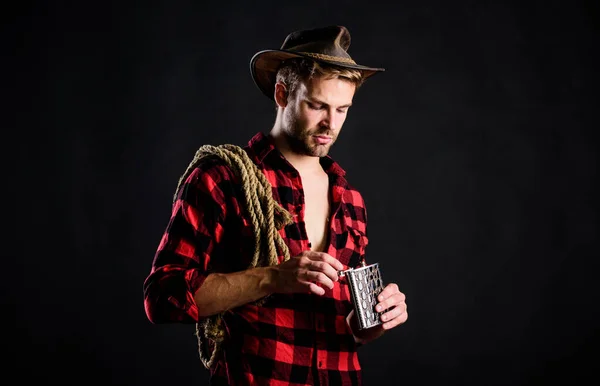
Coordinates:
(193, 234)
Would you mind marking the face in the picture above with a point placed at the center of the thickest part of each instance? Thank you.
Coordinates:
(314, 115)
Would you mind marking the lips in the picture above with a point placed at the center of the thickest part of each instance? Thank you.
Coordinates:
(322, 139)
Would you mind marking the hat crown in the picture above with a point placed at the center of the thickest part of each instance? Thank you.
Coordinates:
(331, 40)
(327, 45)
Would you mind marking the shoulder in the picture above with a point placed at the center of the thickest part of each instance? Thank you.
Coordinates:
(209, 168)
(207, 175)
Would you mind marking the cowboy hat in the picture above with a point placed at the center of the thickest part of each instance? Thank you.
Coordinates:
(326, 45)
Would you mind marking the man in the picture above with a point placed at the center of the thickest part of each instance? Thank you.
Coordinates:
(290, 320)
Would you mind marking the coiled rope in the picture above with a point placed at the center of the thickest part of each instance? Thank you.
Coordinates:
(267, 218)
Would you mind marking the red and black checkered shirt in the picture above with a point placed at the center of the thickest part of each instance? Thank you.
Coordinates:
(291, 339)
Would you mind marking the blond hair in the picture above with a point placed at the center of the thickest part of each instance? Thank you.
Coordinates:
(293, 71)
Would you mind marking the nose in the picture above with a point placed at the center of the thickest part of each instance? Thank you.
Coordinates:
(331, 120)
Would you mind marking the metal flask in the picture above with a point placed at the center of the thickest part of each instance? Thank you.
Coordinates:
(365, 285)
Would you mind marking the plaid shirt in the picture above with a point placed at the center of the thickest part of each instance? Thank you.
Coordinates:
(291, 339)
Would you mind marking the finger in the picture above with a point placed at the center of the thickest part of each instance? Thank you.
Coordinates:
(318, 277)
(322, 256)
(315, 261)
(321, 266)
(388, 291)
(396, 321)
(393, 313)
(392, 301)
(314, 288)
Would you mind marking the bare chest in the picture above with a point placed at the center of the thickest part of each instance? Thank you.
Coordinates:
(317, 209)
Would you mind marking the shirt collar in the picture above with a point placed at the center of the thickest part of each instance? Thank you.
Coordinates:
(261, 145)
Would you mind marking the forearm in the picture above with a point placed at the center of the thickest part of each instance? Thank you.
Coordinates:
(221, 292)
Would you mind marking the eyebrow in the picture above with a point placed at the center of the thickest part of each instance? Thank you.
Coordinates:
(315, 100)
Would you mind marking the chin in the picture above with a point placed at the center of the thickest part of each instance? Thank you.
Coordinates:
(319, 150)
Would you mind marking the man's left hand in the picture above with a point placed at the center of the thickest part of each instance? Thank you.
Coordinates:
(390, 299)
(394, 301)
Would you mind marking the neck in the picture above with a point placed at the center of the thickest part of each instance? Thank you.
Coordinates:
(303, 163)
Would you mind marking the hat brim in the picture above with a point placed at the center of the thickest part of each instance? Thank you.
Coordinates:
(264, 65)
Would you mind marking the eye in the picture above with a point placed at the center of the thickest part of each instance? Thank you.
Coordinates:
(314, 106)
(343, 111)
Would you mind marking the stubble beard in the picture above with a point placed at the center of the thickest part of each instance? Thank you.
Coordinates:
(301, 142)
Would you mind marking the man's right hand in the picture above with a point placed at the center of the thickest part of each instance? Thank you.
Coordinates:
(308, 271)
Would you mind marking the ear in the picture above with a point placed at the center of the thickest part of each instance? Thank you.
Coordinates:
(281, 94)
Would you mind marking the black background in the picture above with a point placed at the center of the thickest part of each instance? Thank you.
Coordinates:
(476, 152)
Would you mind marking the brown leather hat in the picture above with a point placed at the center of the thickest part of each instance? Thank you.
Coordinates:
(327, 45)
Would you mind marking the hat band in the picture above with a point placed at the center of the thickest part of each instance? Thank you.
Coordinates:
(329, 57)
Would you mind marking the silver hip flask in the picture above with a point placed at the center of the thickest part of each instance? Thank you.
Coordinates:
(365, 285)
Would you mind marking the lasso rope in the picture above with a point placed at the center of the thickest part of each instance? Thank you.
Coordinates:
(267, 218)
